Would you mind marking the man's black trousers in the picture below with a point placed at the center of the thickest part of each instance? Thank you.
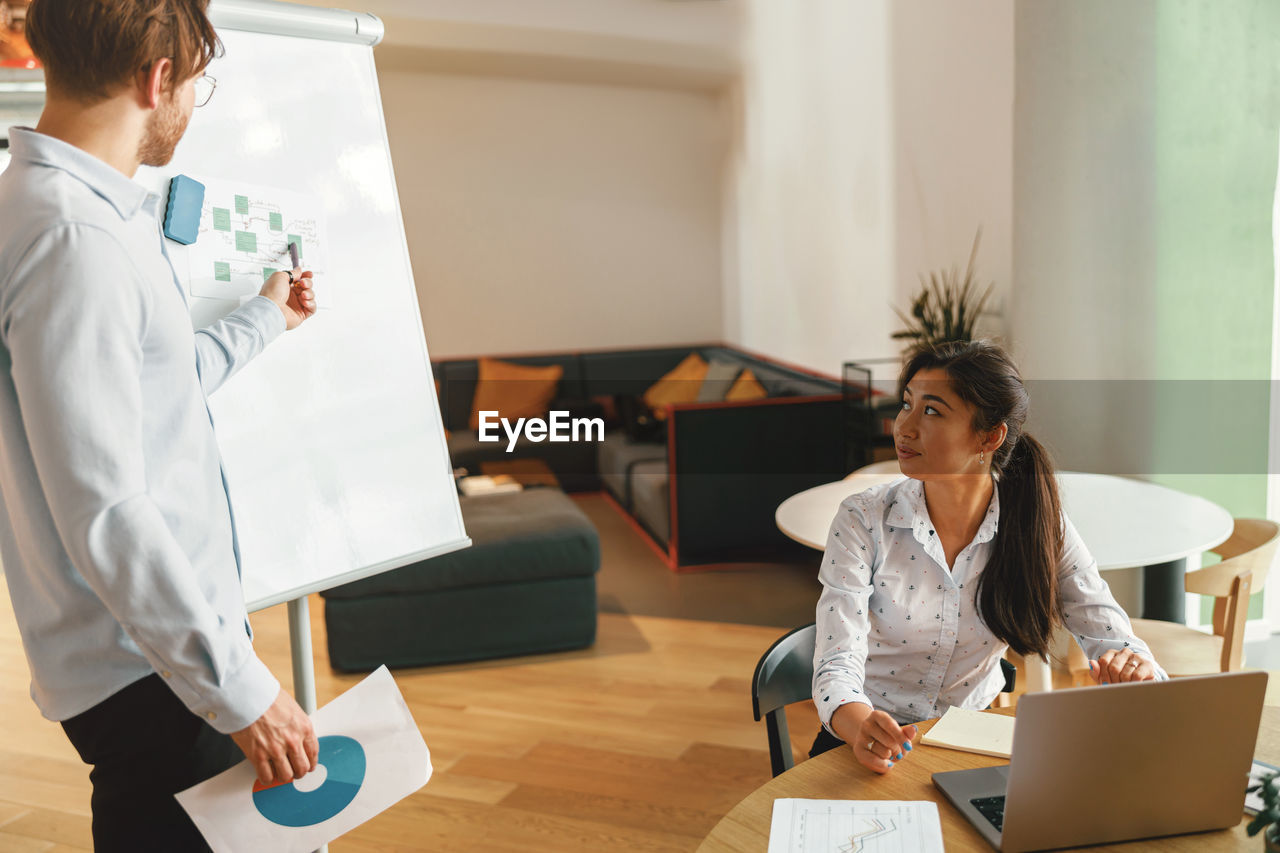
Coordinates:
(144, 746)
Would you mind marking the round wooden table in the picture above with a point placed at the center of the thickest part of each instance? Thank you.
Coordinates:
(836, 775)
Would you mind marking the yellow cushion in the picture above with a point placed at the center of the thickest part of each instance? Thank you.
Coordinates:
(514, 390)
(747, 387)
(681, 385)
(1179, 649)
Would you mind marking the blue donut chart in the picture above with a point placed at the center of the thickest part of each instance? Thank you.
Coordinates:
(344, 764)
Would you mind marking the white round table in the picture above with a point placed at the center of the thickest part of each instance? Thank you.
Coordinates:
(1124, 523)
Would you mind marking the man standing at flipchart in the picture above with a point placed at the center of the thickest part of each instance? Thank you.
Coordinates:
(117, 538)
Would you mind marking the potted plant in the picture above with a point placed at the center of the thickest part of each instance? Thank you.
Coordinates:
(1268, 817)
(947, 307)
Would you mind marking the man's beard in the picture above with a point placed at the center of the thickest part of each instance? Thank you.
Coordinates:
(164, 129)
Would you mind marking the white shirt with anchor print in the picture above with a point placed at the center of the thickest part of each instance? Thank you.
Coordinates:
(899, 631)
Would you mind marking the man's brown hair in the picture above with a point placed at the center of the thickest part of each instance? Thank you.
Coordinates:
(90, 48)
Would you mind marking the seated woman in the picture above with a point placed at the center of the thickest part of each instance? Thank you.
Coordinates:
(927, 580)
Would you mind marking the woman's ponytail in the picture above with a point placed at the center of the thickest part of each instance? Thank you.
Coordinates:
(1017, 594)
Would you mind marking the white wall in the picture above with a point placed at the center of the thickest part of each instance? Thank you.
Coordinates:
(952, 90)
(877, 137)
(1084, 257)
(810, 208)
(1085, 127)
(544, 216)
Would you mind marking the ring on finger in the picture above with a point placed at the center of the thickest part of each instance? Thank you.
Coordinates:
(871, 746)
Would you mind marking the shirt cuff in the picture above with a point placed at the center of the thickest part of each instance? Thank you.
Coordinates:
(830, 700)
(265, 316)
(240, 700)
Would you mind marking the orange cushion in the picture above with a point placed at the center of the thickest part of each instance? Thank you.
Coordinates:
(746, 387)
(681, 385)
(514, 390)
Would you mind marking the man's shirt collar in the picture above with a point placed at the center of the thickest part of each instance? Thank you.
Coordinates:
(122, 193)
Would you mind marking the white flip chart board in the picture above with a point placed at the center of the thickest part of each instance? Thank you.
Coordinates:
(332, 442)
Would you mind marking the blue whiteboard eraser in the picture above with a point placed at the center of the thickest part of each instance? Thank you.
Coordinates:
(182, 216)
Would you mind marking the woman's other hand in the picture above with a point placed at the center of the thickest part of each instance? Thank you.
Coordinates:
(1120, 665)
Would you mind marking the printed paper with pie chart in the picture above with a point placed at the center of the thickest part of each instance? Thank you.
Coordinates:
(371, 757)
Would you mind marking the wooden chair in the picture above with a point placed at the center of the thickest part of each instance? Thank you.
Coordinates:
(1246, 561)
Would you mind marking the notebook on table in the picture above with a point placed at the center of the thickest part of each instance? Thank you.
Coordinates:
(972, 731)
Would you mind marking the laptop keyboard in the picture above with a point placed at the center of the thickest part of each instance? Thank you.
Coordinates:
(992, 808)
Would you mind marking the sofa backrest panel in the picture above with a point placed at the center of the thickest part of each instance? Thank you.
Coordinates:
(630, 371)
(458, 383)
(779, 381)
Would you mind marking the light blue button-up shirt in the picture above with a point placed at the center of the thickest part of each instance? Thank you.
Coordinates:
(116, 533)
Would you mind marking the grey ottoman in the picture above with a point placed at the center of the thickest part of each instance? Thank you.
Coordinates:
(527, 584)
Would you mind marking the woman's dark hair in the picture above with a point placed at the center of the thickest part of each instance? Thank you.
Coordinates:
(1017, 592)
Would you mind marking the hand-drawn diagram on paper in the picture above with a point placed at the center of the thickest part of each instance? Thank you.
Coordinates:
(852, 826)
(245, 231)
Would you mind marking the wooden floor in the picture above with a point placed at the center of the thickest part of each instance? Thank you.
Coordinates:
(640, 743)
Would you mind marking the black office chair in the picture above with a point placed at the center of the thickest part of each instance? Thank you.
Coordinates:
(785, 675)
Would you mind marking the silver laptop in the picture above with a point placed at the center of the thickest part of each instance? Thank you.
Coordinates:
(1117, 762)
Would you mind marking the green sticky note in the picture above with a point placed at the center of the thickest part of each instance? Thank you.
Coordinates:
(242, 204)
(221, 271)
(276, 221)
(293, 238)
(221, 219)
(246, 241)
(267, 273)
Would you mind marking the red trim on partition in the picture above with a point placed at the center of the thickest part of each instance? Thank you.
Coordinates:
(673, 505)
(637, 527)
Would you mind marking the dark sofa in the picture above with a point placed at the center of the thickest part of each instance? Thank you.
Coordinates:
(708, 491)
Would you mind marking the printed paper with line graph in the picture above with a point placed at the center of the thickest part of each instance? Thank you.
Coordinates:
(245, 231)
(855, 826)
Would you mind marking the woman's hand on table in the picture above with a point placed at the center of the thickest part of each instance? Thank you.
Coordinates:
(877, 740)
(1120, 665)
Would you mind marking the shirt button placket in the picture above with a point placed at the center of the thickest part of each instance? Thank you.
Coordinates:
(946, 637)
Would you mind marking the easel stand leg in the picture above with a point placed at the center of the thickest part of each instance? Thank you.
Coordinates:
(304, 669)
